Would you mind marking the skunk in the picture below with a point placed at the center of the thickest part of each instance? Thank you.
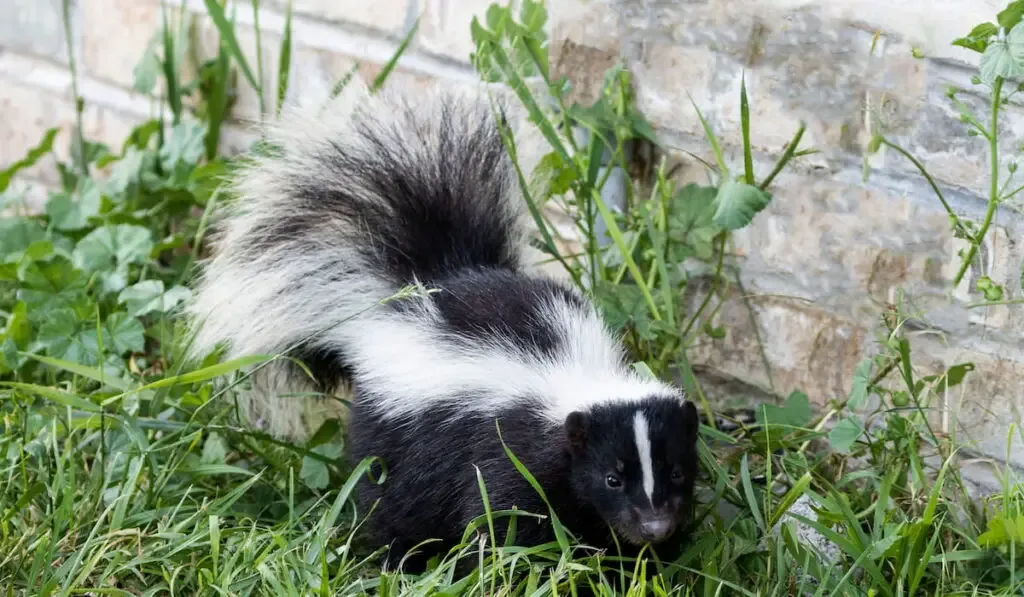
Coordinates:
(368, 195)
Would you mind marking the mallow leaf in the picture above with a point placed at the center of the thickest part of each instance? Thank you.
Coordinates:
(66, 336)
(72, 212)
(998, 59)
(149, 296)
(738, 203)
(846, 433)
(978, 39)
(113, 247)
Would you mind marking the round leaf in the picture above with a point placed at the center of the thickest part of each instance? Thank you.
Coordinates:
(738, 203)
(113, 247)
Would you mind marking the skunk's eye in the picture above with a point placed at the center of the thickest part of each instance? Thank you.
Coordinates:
(613, 481)
(677, 474)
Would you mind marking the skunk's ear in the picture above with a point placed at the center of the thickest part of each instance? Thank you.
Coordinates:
(576, 432)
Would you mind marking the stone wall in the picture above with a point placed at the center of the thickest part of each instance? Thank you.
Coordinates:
(818, 265)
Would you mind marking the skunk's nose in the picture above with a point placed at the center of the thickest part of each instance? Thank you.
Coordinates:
(656, 529)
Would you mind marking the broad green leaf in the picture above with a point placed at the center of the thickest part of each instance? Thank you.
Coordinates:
(845, 433)
(147, 71)
(113, 247)
(690, 222)
(738, 203)
(52, 284)
(127, 171)
(1010, 16)
(978, 39)
(72, 212)
(955, 375)
(553, 169)
(184, 144)
(123, 333)
(314, 472)
(19, 327)
(998, 59)
(17, 235)
(861, 381)
(796, 411)
(68, 337)
(215, 450)
(149, 296)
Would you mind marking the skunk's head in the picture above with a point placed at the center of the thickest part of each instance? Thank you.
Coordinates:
(635, 463)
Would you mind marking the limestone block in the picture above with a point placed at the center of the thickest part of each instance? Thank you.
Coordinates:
(807, 348)
(116, 34)
(34, 27)
(387, 16)
(445, 26)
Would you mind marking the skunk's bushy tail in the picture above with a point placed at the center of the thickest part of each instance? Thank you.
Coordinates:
(355, 198)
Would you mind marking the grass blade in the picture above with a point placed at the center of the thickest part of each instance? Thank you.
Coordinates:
(227, 34)
(205, 373)
(285, 59)
(53, 394)
(382, 76)
(716, 147)
(560, 536)
(170, 68)
(82, 370)
(748, 157)
(34, 155)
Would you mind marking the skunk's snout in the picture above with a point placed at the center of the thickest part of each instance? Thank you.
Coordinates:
(656, 528)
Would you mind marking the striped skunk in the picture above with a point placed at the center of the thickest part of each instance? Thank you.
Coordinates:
(371, 193)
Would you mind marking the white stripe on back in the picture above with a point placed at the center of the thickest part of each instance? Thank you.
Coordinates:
(643, 447)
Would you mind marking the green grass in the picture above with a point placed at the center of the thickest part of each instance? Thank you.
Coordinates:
(124, 470)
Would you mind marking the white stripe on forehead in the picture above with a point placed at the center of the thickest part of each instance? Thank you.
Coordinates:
(643, 448)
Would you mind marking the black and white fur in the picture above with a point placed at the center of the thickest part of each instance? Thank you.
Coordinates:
(369, 194)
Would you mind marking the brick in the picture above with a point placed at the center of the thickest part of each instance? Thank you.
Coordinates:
(116, 34)
(847, 247)
(991, 397)
(668, 76)
(796, 68)
(934, 134)
(445, 27)
(807, 348)
(27, 114)
(929, 25)
(1001, 258)
(583, 46)
(387, 16)
(323, 65)
(593, 23)
(34, 27)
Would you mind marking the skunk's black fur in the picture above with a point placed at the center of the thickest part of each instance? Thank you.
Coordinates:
(371, 194)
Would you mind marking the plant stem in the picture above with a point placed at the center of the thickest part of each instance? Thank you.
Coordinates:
(993, 197)
(79, 159)
(931, 182)
(786, 156)
(995, 303)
